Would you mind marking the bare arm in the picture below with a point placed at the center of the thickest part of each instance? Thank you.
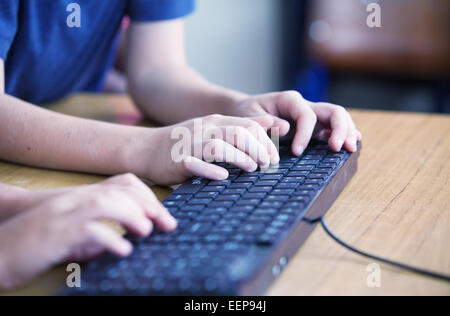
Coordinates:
(11, 201)
(168, 90)
(34, 136)
(162, 83)
(2, 77)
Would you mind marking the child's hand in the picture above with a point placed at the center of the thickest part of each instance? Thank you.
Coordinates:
(66, 227)
(324, 119)
(241, 142)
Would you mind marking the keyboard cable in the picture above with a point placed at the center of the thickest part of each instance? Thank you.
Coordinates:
(377, 258)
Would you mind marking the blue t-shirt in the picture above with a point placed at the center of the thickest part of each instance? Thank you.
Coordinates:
(45, 59)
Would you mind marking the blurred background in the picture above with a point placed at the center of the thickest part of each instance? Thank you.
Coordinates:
(325, 50)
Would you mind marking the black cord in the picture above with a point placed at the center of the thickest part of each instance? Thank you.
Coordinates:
(367, 255)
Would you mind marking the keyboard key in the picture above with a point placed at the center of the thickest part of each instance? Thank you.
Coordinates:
(213, 188)
(322, 170)
(246, 178)
(309, 162)
(254, 195)
(299, 198)
(248, 202)
(244, 238)
(240, 185)
(331, 160)
(313, 181)
(221, 204)
(173, 203)
(311, 185)
(282, 192)
(220, 183)
(317, 176)
(304, 168)
(207, 218)
(288, 159)
(297, 174)
(271, 204)
(279, 198)
(258, 219)
(199, 228)
(286, 165)
(293, 179)
(242, 208)
(229, 222)
(261, 189)
(301, 190)
(266, 183)
(188, 238)
(199, 201)
(311, 157)
(214, 211)
(216, 238)
(235, 191)
(192, 208)
(252, 228)
(265, 212)
(191, 187)
(226, 230)
(274, 170)
(271, 177)
(178, 197)
(186, 215)
(295, 204)
(289, 185)
(331, 166)
(206, 195)
(228, 197)
(236, 215)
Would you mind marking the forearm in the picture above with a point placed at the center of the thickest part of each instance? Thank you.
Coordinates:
(34, 136)
(171, 94)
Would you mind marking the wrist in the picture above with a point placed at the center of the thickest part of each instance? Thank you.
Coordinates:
(5, 279)
(231, 102)
(13, 200)
(137, 155)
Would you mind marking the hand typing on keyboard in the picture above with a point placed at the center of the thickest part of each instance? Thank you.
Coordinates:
(60, 225)
(312, 119)
(188, 149)
(173, 154)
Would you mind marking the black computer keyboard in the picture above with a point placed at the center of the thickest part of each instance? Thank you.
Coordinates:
(234, 237)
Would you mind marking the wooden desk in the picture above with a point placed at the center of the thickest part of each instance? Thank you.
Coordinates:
(397, 205)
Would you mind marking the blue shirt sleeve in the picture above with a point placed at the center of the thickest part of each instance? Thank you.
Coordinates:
(157, 10)
(8, 25)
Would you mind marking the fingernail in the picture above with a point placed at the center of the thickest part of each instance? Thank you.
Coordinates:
(339, 143)
(222, 174)
(252, 167)
(172, 222)
(276, 160)
(299, 150)
(265, 163)
(126, 248)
